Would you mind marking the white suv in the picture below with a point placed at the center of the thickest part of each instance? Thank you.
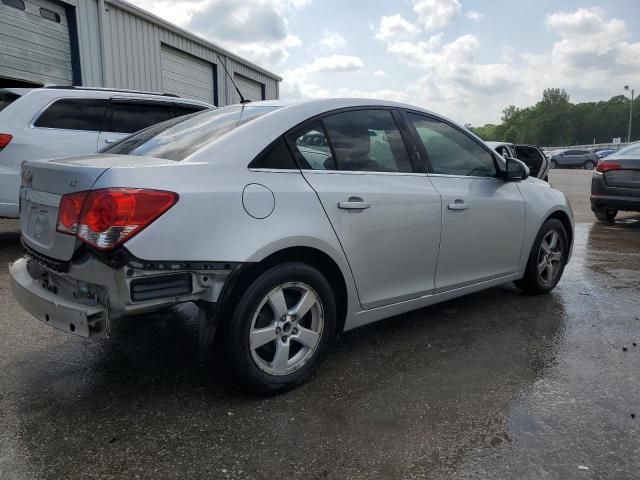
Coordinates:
(49, 122)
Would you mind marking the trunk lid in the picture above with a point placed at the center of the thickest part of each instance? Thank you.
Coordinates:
(627, 176)
(43, 185)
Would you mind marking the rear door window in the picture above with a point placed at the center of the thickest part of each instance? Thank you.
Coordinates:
(84, 114)
(367, 140)
(129, 117)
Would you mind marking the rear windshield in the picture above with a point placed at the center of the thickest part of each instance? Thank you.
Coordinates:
(178, 138)
(6, 98)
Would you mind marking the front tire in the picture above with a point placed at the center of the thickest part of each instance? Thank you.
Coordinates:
(607, 215)
(281, 328)
(554, 164)
(589, 165)
(547, 259)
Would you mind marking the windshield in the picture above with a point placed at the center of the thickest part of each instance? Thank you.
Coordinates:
(178, 138)
(7, 98)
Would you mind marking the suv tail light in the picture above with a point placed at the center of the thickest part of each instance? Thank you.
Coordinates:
(5, 138)
(604, 166)
(108, 217)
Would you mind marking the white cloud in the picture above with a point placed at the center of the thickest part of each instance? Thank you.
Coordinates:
(396, 27)
(474, 16)
(332, 40)
(256, 29)
(436, 14)
(380, 74)
(336, 63)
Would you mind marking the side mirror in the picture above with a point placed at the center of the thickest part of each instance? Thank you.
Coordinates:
(516, 170)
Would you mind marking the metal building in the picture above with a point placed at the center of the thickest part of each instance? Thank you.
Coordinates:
(111, 43)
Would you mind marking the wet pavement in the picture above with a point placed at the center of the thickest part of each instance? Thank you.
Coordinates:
(493, 385)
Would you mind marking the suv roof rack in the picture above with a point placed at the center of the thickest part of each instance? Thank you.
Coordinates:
(102, 89)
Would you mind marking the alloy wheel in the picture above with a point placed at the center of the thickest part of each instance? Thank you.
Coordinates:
(286, 328)
(550, 257)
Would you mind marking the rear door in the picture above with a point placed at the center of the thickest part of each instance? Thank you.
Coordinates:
(385, 214)
(126, 116)
(483, 217)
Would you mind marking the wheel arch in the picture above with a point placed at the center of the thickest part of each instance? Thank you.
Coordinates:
(566, 221)
(304, 254)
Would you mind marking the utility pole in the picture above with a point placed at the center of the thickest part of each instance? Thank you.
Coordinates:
(626, 87)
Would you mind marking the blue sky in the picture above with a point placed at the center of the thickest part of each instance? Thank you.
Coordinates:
(467, 59)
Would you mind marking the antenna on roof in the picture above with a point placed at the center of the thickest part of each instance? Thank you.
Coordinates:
(242, 99)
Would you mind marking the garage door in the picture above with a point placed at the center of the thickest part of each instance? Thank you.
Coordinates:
(251, 90)
(186, 75)
(34, 42)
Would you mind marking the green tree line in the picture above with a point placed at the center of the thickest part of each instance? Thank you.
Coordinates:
(555, 121)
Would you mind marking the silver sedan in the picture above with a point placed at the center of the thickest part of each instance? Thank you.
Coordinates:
(287, 223)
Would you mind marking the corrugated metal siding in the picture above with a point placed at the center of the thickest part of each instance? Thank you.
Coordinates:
(33, 48)
(250, 89)
(186, 75)
(89, 42)
(133, 55)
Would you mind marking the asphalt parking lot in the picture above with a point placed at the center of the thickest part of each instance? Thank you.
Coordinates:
(492, 385)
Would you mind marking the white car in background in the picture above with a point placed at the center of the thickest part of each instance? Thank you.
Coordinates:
(531, 155)
(50, 122)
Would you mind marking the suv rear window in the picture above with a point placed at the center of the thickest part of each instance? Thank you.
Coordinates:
(73, 114)
(178, 138)
(6, 98)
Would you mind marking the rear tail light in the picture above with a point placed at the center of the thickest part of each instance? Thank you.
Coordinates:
(109, 217)
(604, 166)
(5, 138)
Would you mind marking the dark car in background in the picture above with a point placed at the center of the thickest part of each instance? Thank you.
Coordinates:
(574, 158)
(615, 184)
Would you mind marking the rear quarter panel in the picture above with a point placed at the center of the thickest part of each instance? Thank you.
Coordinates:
(209, 222)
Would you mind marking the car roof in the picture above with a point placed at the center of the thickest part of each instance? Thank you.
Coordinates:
(94, 92)
(319, 106)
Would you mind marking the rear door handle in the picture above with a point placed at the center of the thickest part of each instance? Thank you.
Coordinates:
(354, 203)
(458, 206)
(109, 141)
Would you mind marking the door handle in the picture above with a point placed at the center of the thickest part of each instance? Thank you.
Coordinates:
(109, 141)
(458, 206)
(354, 203)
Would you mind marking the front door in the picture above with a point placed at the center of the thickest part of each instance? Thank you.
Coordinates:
(483, 217)
(386, 216)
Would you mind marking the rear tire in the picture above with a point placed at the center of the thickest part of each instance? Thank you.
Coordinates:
(607, 215)
(281, 328)
(547, 259)
(589, 165)
(554, 164)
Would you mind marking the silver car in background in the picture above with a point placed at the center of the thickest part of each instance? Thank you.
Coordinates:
(286, 222)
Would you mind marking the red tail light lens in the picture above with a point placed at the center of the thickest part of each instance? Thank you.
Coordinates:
(5, 138)
(109, 217)
(69, 212)
(604, 166)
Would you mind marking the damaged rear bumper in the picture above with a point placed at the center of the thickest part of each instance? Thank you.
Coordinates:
(91, 294)
(66, 315)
